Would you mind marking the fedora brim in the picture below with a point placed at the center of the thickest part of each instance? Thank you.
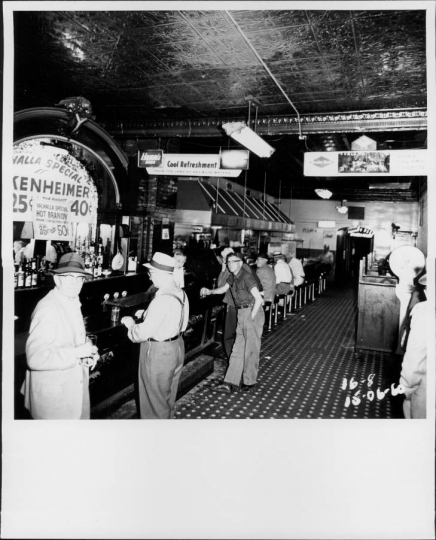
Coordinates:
(70, 270)
(160, 268)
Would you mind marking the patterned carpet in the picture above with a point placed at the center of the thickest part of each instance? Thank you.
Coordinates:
(308, 369)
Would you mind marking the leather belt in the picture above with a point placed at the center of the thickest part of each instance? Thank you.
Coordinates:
(165, 340)
(244, 306)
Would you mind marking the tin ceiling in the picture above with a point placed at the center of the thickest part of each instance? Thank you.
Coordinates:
(180, 74)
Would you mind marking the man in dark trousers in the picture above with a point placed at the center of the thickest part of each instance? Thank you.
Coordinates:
(162, 347)
(244, 360)
(229, 329)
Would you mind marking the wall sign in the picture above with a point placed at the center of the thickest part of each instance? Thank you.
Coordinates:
(372, 163)
(192, 165)
(45, 172)
(149, 158)
(51, 220)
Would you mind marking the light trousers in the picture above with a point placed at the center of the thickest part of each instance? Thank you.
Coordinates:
(244, 360)
(160, 368)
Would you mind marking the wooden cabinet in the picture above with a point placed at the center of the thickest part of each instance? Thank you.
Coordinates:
(378, 312)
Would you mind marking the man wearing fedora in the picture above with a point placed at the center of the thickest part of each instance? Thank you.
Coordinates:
(160, 333)
(56, 386)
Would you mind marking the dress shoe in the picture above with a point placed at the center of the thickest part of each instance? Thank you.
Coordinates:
(226, 388)
(247, 387)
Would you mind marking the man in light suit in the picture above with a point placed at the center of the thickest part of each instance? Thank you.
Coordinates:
(56, 386)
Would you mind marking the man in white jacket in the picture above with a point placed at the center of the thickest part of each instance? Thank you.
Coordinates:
(414, 369)
(56, 386)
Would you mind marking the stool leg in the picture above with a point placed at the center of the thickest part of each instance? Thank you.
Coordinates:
(270, 317)
(285, 306)
(276, 311)
(291, 299)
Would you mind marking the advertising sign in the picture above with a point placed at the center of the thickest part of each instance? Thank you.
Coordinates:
(149, 158)
(192, 165)
(371, 163)
(51, 219)
(43, 171)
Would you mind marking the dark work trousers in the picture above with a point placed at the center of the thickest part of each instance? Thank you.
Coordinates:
(229, 333)
(160, 368)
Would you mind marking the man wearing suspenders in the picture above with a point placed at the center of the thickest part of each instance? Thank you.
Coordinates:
(162, 351)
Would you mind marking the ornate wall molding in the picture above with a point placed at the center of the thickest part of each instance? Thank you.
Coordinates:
(368, 121)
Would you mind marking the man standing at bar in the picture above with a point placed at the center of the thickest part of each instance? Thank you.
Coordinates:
(58, 356)
(230, 319)
(244, 360)
(162, 351)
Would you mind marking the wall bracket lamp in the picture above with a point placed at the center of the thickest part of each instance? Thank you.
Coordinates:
(240, 132)
(343, 209)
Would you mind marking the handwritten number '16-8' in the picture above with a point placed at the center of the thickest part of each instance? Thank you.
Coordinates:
(355, 399)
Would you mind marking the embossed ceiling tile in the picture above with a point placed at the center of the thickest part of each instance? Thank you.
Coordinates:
(334, 38)
(233, 44)
(209, 23)
(143, 18)
(293, 83)
(264, 20)
(185, 50)
(94, 25)
(63, 30)
(304, 65)
(328, 16)
(163, 34)
(211, 74)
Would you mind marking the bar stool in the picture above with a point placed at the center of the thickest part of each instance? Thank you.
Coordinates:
(290, 300)
(297, 297)
(309, 290)
(277, 299)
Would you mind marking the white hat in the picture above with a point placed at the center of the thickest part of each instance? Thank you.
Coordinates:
(423, 280)
(161, 262)
(225, 252)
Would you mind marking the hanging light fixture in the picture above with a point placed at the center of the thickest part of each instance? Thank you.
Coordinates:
(323, 193)
(343, 209)
(240, 132)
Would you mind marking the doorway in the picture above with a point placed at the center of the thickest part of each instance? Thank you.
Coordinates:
(349, 251)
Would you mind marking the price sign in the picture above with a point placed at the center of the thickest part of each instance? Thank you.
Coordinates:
(52, 219)
(42, 171)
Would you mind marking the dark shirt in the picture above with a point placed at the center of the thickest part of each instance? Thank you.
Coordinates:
(241, 285)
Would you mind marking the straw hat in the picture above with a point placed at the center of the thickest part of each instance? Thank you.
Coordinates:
(423, 280)
(161, 262)
(71, 263)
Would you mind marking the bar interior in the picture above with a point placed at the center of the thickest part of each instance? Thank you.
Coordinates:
(174, 139)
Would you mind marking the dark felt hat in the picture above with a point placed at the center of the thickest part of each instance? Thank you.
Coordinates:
(71, 263)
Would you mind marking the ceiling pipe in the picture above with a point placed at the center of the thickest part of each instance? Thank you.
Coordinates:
(301, 136)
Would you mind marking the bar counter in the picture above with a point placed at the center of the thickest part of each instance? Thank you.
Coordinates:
(114, 377)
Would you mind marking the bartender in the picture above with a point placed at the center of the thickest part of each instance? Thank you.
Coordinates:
(179, 267)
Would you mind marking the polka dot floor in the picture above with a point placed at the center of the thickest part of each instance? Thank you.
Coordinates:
(308, 369)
